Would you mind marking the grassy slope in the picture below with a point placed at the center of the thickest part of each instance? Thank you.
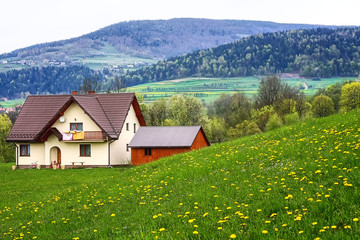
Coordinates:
(217, 86)
(298, 182)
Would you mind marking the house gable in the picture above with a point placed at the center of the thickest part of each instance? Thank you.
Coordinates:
(75, 114)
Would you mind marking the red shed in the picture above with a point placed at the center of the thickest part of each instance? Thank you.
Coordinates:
(152, 143)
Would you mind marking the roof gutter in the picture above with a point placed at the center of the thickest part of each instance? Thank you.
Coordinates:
(16, 154)
(110, 142)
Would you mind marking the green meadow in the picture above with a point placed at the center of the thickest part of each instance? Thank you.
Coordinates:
(209, 89)
(297, 182)
(11, 103)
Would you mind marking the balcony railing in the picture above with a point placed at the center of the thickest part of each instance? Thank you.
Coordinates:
(96, 136)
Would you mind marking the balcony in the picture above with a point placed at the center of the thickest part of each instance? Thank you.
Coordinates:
(83, 136)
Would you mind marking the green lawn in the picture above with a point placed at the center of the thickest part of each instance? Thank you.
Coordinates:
(297, 182)
(209, 89)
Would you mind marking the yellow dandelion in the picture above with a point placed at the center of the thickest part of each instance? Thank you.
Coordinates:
(232, 236)
(333, 227)
(264, 231)
(195, 232)
(300, 232)
(355, 219)
(219, 228)
(314, 223)
(162, 229)
(95, 230)
(113, 215)
(259, 210)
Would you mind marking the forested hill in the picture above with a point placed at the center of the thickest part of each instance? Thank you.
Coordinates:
(44, 80)
(150, 38)
(318, 52)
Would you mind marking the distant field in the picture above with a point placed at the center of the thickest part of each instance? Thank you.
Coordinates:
(209, 89)
(11, 103)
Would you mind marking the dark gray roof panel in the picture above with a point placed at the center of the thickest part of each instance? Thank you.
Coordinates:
(177, 136)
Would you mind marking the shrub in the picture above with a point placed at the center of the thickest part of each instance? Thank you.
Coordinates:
(292, 118)
(322, 106)
(274, 122)
(244, 129)
(350, 96)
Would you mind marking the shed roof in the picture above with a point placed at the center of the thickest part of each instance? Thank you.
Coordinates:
(170, 136)
(39, 113)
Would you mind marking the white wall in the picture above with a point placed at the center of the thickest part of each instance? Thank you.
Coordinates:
(70, 152)
(36, 154)
(119, 155)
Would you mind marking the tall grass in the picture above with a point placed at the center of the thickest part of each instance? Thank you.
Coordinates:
(297, 182)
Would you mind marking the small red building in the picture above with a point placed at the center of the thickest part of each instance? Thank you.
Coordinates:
(152, 143)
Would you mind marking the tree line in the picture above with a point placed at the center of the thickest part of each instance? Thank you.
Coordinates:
(44, 80)
(232, 116)
(320, 52)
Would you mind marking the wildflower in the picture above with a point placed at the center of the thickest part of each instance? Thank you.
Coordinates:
(264, 231)
(219, 228)
(347, 226)
(355, 219)
(232, 236)
(155, 216)
(259, 210)
(333, 227)
(300, 232)
(113, 215)
(195, 232)
(95, 230)
(161, 229)
(205, 214)
(314, 223)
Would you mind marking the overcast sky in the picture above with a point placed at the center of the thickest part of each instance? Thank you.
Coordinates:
(27, 22)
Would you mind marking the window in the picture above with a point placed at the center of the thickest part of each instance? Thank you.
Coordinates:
(25, 150)
(76, 126)
(127, 147)
(134, 127)
(127, 126)
(147, 151)
(85, 150)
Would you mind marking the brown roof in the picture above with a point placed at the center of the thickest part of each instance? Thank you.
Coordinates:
(170, 136)
(39, 113)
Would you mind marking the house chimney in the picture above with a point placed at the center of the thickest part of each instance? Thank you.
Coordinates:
(74, 92)
(91, 92)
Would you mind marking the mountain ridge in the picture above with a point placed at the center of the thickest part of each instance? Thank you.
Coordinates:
(156, 39)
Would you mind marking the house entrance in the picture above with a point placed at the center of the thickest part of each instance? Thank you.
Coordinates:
(55, 156)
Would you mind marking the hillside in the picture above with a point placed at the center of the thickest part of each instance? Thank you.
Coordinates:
(311, 53)
(298, 182)
(139, 42)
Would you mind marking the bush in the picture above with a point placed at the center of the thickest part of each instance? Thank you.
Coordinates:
(243, 129)
(292, 118)
(217, 131)
(261, 116)
(7, 150)
(350, 96)
(322, 106)
(274, 122)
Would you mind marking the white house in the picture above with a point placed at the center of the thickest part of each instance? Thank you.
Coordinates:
(91, 130)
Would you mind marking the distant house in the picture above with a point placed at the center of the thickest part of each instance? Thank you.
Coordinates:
(91, 130)
(152, 143)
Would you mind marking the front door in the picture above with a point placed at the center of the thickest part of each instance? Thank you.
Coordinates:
(58, 156)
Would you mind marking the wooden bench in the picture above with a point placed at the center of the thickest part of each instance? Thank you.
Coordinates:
(73, 164)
